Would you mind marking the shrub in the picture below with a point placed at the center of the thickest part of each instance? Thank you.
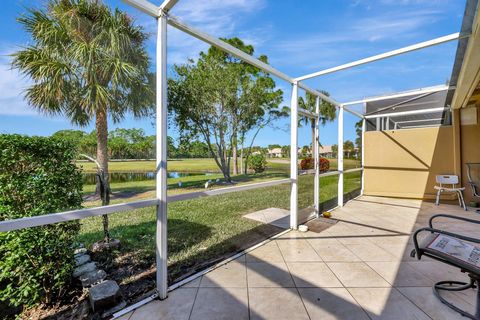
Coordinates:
(324, 165)
(307, 163)
(257, 163)
(37, 176)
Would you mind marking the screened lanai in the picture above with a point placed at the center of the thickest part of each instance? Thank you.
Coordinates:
(425, 108)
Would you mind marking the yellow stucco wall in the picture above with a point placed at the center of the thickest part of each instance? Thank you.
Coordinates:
(470, 151)
(403, 163)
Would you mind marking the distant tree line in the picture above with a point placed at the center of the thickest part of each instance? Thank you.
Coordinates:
(133, 144)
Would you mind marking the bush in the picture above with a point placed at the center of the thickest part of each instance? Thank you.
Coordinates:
(324, 165)
(37, 176)
(307, 163)
(257, 163)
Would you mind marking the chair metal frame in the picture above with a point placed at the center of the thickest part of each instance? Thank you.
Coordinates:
(452, 180)
(449, 285)
(472, 184)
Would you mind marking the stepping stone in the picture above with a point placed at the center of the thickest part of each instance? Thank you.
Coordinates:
(81, 259)
(87, 267)
(80, 251)
(90, 278)
(105, 295)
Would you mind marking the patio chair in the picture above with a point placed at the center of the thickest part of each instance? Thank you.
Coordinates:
(473, 174)
(452, 180)
(453, 249)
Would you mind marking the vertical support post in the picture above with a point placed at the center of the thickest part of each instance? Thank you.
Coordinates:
(315, 149)
(161, 157)
(364, 124)
(378, 124)
(294, 157)
(340, 156)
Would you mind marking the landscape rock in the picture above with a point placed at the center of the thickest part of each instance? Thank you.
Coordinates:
(87, 267)
(105, 295)
(80, 251)
(101, 245)
(81, 259)
(90, 278)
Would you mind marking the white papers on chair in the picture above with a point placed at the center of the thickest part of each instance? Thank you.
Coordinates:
(457, 249)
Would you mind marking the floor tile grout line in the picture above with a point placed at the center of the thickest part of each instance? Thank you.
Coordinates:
(338, 278)
(358, 303)
(248, 290)
(195, 299)
(295, 285)
(412, 302)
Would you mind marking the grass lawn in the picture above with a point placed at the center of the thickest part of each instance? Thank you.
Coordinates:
(201, 230)
(192, 165)
(197, 165)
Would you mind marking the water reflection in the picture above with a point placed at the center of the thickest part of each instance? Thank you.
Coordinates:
(89, 178)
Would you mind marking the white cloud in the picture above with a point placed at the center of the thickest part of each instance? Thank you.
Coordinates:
(364, 36)
(12, 86)
(219, 18)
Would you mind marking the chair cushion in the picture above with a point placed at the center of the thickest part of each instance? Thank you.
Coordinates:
(462, 253)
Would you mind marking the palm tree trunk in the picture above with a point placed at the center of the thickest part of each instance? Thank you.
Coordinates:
(101, 126)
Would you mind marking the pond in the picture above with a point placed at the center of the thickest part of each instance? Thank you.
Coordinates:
(89, 178)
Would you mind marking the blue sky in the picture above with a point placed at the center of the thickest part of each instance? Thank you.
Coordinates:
(299, 37)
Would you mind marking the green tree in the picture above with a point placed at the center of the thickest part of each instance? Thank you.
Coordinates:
(86, 62)
(358, 139)
(348, 147)
(73, 136)
(335, 149)
(88, 143)
(273, 146)
(220, 98)
(286, 151)
(327, 111)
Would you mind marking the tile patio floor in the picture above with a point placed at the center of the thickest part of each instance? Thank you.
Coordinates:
(359, 268)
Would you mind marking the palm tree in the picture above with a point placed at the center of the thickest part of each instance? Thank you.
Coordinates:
(87, 63)
(327, 112)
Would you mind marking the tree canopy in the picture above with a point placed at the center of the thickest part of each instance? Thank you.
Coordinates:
(220, 99)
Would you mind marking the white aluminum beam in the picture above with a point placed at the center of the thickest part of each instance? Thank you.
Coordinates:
(406, 113)
(145, 6)
(161, 158)
(363, 155)
(418, 46)
(154, 11)
(318, 94)
(220, 191)
(316, 184)
(340, 157)
(353, 170)
(176, 23)
(419, 120)
(294, 157)
(167, 5)
(421, 126)
(46, 219)
(353, 112)
(401, 94)
(307, 113)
